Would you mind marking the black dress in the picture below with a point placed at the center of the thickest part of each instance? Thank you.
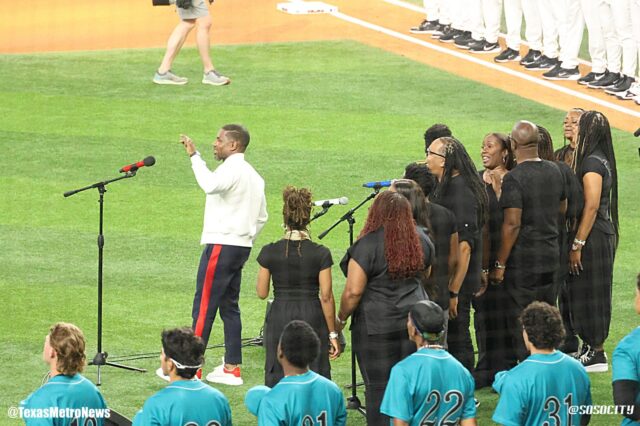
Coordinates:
(495, 352)
(295, 297)
(590, 292)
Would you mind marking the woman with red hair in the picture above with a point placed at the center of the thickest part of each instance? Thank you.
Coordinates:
(383, 269)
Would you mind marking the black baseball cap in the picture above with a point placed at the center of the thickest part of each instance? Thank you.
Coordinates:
(427, 317)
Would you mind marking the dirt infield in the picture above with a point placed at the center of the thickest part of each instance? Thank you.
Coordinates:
(64, 25)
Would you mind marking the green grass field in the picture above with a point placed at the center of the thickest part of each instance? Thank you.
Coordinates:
(329, 116)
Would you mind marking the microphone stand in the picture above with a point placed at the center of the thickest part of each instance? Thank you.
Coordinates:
(100, 359)
(320, 213)
(353, 402)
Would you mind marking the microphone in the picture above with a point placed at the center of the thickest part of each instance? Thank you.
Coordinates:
(328, 203)
(148, 162)
(636, 133)
(378, 184)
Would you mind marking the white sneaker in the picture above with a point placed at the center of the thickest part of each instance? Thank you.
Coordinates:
(214, 78)
(169, 78)
(226, 377)
(160, 374)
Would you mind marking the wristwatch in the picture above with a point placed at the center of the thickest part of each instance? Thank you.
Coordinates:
(578, 244)
(452, 294)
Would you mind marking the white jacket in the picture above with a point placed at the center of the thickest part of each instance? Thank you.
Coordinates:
(235, 208)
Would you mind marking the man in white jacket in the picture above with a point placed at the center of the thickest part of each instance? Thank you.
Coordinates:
(235, 212)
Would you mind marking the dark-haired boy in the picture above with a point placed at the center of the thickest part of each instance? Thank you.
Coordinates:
(430, 386)
(301, 397)
(186, 400)
(548, 387)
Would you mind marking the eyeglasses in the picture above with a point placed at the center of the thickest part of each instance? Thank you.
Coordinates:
(429, 152)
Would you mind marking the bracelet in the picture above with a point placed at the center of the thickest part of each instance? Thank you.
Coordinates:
(333, 335)
(578, 242)
(485, 271)
(342, 323)
(499, 265)
(452, 294)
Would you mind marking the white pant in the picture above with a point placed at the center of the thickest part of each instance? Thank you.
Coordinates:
(622, 20)
(597, 49)
(614, 50)
(559, 20)
(458, 14)
(491, 12)
(573, 32)
(432, 10)
(549, 29)
(513, 11)
(444, 11)
(483, 19)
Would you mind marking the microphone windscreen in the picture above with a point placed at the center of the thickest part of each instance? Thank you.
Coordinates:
(149, 161)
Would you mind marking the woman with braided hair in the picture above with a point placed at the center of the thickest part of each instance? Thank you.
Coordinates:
(461, 191)
(300, 269)
(593, 249)
(567, 225)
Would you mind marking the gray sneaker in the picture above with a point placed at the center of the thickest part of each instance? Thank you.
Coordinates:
(169, 78)
(214, 78)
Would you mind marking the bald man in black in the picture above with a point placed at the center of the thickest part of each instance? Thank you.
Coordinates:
(532, 195)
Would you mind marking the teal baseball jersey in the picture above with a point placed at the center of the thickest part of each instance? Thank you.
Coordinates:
(65, 401)
(626, 364)
(305, 400)
(429, 387)
(540, 391)
(185, 403)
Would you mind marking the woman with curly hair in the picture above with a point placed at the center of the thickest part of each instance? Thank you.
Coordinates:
(594, 246)
(300, 269)
(383, 269)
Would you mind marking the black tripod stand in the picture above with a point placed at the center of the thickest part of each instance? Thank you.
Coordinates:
(353, 402)
(100, 358)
